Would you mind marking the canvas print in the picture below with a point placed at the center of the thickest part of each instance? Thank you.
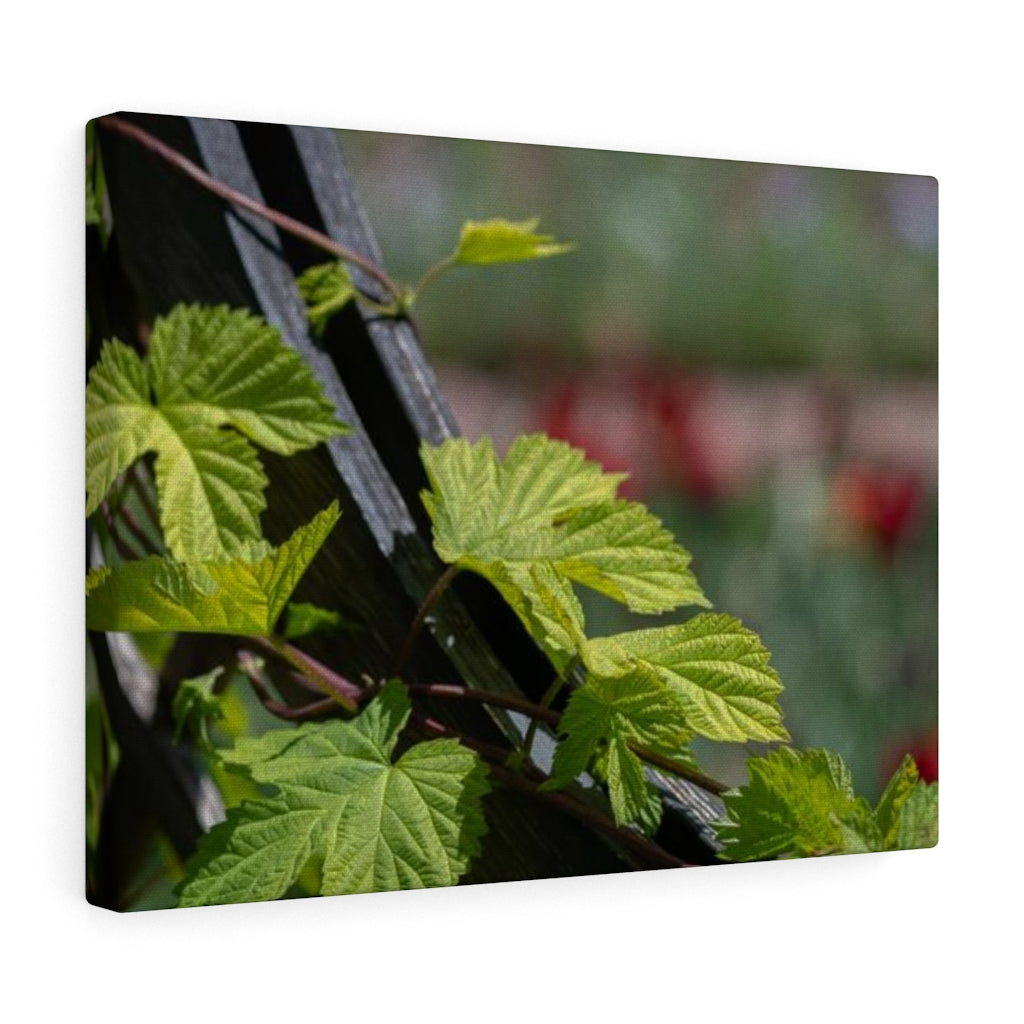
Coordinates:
(465, 512)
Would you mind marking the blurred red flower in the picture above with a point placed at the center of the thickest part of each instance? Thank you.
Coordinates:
(923, 747)
(881, 503)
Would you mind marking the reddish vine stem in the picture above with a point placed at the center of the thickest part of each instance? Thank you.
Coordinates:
(674, 767)
(341, 690)
(231, 195)
(541, 713)
(441, 584)
(501, 700)
(248, 668)
(637, 844)
(124, 549)
(126, 515)
(448, 691)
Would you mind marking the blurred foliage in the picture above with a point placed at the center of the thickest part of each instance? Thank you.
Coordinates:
(852, 626)
(707, 261)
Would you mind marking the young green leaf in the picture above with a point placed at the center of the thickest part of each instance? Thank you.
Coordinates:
(602, 718)
(890, 805)
(374, 824)
(244, 595)
(546, 509)
(505, 241)
(718, 670)
(919, 819)
(195, 704)
(801, 803)
(302, 619)
(794, 805)
(208, 368)
(327, 289)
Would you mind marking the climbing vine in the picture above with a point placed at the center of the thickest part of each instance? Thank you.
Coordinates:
(361, 790)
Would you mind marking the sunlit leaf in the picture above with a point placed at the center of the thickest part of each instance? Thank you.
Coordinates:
(601, 719)
(208, 369)
(505, 241)
(244, 595)
(718, 670)
(544, 517)
(327, 288)
(372, 823)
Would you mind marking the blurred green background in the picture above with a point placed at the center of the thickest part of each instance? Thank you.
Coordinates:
(757, 345)
(738, 264)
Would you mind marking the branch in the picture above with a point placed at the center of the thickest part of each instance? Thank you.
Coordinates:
(281, 220)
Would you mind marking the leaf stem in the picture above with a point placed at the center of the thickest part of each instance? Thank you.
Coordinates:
(501, 700)
(545, 703)
(231, 195)
(680, 768)
(441, 584)
(248, 667)
(432, 274)
(349, 696)
(124, 549)
(343, 691)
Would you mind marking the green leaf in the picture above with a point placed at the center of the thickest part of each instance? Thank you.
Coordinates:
(195, 703)
(620, 550)
(542, 517)
(860, 830)
(547, 606)
(794, 805)
(255, 854)
(890, 805)
(602, 718)
(374, 824)
(303, 619)
(95, 576)
(801, 803)
(241, 596)
(718, 670)
(327, 288)
(477, 501)
(919, 818)
(208, 368)
(505, 241)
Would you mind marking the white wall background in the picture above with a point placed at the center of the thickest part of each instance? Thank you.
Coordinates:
(878, 86)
